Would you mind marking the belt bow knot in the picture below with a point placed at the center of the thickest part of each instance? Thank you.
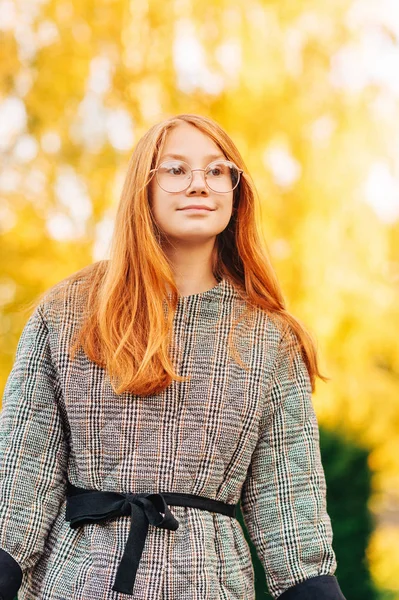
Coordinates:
(143, 509)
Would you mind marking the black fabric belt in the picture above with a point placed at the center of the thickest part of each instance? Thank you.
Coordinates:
(94, 506)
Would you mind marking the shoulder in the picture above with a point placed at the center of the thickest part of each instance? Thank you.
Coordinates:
(278, 340)
(270, 327)
(68, 299)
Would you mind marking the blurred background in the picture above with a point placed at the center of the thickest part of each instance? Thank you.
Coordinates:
(309, 91)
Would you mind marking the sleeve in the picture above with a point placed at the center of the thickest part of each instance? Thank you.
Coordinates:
(33, 456)
(283, 499)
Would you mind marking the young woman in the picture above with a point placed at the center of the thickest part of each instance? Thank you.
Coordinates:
(153, 392)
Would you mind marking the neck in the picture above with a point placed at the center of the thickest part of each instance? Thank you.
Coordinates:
(192, 267)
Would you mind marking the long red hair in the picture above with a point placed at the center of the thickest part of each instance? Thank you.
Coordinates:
(124, 296)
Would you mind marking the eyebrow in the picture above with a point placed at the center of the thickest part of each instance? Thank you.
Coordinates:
(209, 157)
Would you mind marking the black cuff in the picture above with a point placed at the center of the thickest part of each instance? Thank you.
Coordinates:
(10, 576)
(322, 587)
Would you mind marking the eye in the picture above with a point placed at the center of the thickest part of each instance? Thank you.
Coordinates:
(175, 170)
(215, 171)
(218, 170)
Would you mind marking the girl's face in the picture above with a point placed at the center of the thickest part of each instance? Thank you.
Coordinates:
(189, 144)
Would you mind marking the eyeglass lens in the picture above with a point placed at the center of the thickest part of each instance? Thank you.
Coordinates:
(176, 175)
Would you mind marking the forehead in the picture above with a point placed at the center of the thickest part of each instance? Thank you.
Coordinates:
(186, 140)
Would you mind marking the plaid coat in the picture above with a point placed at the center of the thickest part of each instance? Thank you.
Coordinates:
(229, 434)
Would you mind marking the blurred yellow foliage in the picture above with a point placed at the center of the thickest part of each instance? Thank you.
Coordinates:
(383, 540)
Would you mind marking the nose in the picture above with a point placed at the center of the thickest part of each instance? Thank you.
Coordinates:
(197, 185)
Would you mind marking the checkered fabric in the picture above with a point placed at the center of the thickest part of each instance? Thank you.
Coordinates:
(228, 434)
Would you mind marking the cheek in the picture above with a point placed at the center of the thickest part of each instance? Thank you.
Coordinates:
(228, 206)
(225, 213)
(154, 199)
(152, 193)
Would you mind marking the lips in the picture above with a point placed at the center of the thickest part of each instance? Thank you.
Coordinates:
(198, 206)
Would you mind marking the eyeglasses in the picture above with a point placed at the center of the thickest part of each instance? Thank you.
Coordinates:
(221, 176)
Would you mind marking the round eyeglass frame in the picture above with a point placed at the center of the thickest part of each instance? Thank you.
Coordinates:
(240, 171)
